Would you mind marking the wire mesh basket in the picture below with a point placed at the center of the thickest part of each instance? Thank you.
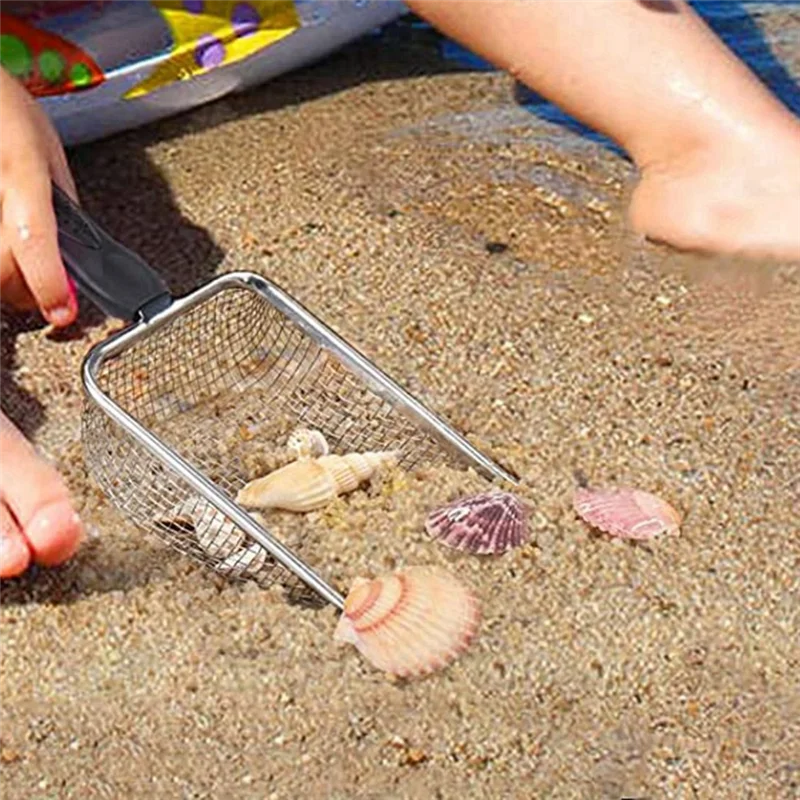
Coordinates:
(181, 403)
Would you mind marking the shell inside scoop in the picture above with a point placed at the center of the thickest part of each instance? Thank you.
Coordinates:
(626, 512)
(223, 541)
(216, 534)
(410, 622)
(247, 561)
(312, 483)
(492, 522)
(307, 443)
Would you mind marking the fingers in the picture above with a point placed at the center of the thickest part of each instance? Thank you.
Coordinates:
(13, 289)
(63, 177)
(59, 167)
(15, 555)
(31, 158)
(38, 499)
(30, 229)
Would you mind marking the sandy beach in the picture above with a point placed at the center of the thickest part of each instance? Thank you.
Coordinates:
(479, 255)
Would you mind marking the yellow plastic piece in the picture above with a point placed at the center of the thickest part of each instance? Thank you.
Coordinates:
(276, 20)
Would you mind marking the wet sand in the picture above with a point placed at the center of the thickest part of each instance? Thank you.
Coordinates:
(479, 256)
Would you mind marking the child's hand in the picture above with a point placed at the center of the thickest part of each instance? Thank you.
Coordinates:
(31, 271)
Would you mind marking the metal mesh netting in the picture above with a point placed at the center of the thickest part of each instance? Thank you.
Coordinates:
(223, 384)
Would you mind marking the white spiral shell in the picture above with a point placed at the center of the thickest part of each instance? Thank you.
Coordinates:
(244, 562)
(307, 443)
(217, 535)
(311, 483)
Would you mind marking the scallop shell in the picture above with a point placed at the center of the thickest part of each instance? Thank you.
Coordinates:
(626, 512)
(307, 443)
(410, 622)
(312, 483)
(492, 522)
(217, 535)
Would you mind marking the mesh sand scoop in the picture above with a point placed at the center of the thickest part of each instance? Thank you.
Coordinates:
(183, 403)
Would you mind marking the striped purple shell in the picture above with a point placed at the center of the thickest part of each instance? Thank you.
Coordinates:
(492, 522)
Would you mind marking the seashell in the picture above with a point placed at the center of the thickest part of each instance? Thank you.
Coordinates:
(217, 535)
(626, 512)
(179, 516)
(311, 483)
(352, 470)
(410, 622)
(492, 522)
(244, 562)
(307, 443)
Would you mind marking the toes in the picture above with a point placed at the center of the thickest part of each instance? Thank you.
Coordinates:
(38, 499)
(54, 533)
(15, 555)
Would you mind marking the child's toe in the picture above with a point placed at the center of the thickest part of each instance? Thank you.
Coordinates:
(54, 533)
(37, 499)
(15, 555)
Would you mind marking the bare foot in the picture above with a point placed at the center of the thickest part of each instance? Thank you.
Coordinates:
(727, 199)
(37, 521)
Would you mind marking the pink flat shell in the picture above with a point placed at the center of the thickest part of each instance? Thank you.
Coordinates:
(627, 513)
(492, 522)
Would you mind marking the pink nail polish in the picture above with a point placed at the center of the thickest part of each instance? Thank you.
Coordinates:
(73, 295)
(63, 315)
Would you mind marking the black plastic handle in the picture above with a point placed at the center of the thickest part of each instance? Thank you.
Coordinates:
(114, 278)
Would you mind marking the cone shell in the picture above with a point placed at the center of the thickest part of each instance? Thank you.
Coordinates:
(217, 535)
(492, 522)
(410, 622)
(626, 512)
(310, 484)
(307, 443)
(350, 471)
